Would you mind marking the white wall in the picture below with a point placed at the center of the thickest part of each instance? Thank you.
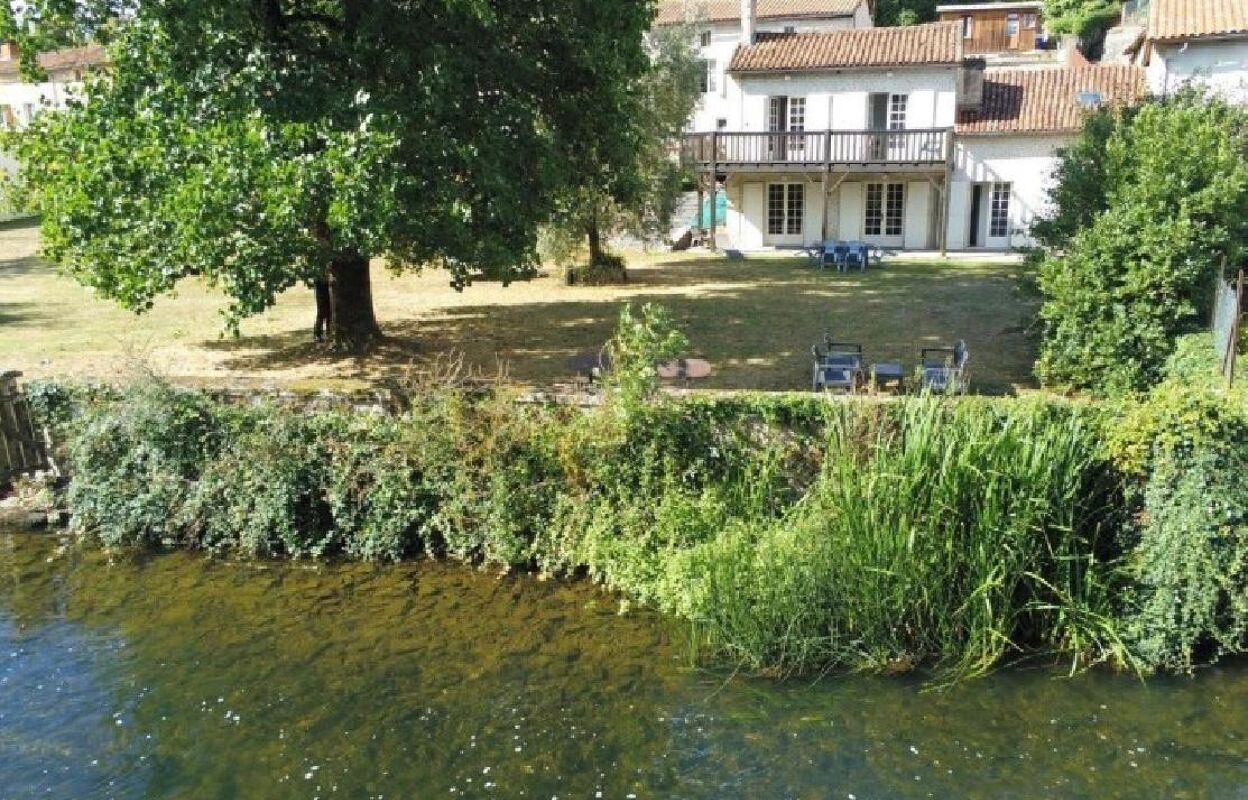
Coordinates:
(839, 100)
(726, 36)
(1222, 66)
(1025, 161)
(28, 99)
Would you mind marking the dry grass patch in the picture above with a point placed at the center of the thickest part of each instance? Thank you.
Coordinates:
(754, 319)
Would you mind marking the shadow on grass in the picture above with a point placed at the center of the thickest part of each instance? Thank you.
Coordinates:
(755, 321)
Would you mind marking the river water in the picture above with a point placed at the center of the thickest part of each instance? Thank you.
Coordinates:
(176, 676)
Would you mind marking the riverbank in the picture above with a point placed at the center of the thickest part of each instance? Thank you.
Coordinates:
(794, 534)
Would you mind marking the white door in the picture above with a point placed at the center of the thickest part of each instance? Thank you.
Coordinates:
(786, 213)
(752, 216)
(884, 213)
(998, 220)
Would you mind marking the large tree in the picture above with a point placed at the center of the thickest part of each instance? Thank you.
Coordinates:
(265, 143)
(627, 178)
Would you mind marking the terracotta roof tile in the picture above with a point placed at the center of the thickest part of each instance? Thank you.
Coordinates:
(1045, 100)
(935, 43)
(1185, 19)
(674, 11)
(61, 60)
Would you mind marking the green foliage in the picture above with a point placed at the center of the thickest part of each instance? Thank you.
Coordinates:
(1087, 19)
(1147, 206)
(1185, 451)
(263, 144)
(904, 12)
(640, 342)
(795, 533)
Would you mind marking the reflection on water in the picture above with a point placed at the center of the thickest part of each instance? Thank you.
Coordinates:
(173, 676)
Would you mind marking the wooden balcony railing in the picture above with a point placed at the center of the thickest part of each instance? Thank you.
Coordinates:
(814, 148)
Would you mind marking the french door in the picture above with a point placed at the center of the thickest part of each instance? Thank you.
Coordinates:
(787, 115)
(884, 214)
(786, 211)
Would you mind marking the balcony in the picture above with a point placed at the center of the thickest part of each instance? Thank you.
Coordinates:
(921, 147)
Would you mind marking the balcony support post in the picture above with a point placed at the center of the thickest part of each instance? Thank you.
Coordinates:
(945, 196)
(714, 189)
(827, 171)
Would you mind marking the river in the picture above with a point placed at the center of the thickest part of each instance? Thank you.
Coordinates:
(173, 675)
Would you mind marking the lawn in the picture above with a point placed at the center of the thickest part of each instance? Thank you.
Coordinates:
(754, 320)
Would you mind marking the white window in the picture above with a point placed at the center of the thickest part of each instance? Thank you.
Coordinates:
(710, 76)
(968, 27)
(7, 120)
(28, 111)
(1011, 25)
(705, 39)
(885, 209)
(786, 203)
(999, 211)
(897, 111)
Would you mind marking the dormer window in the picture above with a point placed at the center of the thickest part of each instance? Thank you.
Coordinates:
(704, 39)
(790, 29)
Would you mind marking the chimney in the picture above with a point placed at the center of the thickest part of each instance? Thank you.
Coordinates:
(8, 51)
(971, 84)
(749, 15)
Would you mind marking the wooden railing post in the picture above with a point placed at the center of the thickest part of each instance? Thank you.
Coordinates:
(714, 186)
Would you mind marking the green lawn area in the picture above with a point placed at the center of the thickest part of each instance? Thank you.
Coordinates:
(754, 320)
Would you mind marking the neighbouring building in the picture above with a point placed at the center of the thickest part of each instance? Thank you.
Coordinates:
(21, 101)
(993, 29)
(1197, 41)
(893, 136)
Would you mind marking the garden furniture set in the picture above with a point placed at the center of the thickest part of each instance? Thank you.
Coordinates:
(839, 366)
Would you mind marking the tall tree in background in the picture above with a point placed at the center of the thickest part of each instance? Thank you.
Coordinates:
(627, 178)
(265, 143)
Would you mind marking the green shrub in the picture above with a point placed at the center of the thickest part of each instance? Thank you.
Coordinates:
(1184, 452)
(135, 460)
(1147, 206)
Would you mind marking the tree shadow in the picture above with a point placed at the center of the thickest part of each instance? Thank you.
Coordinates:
(755, 323)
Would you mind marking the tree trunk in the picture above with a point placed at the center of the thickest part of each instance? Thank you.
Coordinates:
(353, 325)
(595, 242)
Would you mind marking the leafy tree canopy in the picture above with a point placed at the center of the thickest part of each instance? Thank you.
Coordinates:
(264, 143)
(1148, 203)
(1084, 18)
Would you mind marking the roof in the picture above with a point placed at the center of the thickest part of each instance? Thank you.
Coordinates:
(61, 60)
(1028, 5)
(1045, 100)
(1169, 20)
(676, 11)
(932, 44)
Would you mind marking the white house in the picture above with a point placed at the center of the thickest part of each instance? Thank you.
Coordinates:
(720, 27)
(1005, 145)
(887, 135)
(1200, 41)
